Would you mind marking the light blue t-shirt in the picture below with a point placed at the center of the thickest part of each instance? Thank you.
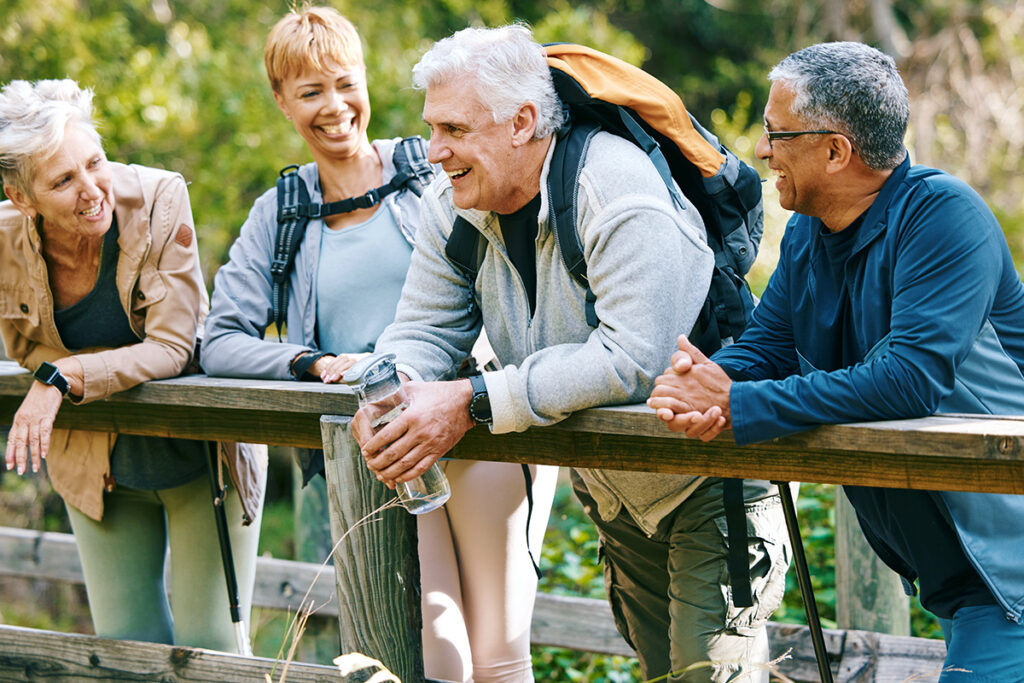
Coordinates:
(359, 281)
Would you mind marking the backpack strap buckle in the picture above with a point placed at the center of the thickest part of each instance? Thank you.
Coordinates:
(312, 210)
(371, 198)
(279, 268)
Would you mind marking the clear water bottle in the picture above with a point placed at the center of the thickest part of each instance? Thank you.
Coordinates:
(382, 395)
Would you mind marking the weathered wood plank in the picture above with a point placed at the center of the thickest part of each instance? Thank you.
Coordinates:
(970, 453)
(280, 584)
(283, 584)
(377, 564)
(577, 624)
(782, 460)
(559, 621)
(201, 391)
(274, 427)
(30, 655)
(312, 523)
(858, 656)
(883, 658)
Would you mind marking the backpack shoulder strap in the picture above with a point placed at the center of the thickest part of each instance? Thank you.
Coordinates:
(291, 226)
(736, 528)
(463, 250)
(413, 171)
(563, 184)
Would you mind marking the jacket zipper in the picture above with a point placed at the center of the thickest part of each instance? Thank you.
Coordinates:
(524, 298)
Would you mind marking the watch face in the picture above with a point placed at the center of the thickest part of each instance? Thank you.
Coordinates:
(480, 404)
(45, 372)
(480, 409)
(48, 374)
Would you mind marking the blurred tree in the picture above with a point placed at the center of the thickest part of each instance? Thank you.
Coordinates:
(181, 85)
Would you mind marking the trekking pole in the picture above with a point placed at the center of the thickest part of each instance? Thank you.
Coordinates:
(803, 578)
(219, 513)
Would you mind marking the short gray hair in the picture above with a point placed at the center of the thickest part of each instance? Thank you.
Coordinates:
(505, 66)
(33, 117)
(854, 89)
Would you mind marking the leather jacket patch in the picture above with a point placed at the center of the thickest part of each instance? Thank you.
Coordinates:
(184, 236)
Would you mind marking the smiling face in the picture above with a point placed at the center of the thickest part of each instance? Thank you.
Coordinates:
(72, 189)
(329, 109)
(479, 155)
(799, 162)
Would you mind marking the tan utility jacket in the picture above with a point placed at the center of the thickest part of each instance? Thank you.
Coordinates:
(161, 289)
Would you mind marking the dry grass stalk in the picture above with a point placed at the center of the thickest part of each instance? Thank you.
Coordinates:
(297, 625)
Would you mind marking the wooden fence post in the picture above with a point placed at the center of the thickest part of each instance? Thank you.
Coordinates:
(377, 565)
(869, 595)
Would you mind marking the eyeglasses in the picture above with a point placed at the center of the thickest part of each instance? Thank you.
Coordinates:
(784, 135)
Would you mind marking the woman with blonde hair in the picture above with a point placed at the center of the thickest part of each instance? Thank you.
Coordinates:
(477, 579)
(100, 290)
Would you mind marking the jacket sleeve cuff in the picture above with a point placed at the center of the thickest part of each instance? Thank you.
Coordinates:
(95, 382)
(737, 414)
(501, 402)
(301, 364)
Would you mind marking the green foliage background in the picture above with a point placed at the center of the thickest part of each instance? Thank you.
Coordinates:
(180, 85)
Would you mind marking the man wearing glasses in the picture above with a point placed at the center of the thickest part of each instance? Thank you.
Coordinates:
(895, 297)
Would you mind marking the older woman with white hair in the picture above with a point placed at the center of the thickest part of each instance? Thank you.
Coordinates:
(100, 290)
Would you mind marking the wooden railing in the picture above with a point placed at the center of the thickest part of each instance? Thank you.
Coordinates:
(970, 453)
(558, 621)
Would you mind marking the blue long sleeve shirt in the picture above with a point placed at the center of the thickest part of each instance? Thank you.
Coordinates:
(929, 272)
(923, 313)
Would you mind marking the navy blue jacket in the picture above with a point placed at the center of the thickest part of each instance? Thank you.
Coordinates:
(937, 317)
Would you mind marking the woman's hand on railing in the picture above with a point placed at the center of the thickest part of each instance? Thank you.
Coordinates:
(29, 436)
(331, 368)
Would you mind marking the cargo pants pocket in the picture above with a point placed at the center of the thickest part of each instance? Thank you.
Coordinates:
(768, 555)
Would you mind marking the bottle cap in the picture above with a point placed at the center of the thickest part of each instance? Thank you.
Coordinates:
(370, 369)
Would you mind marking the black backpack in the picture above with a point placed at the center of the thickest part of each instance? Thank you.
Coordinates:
(294, 210)
(601, 93)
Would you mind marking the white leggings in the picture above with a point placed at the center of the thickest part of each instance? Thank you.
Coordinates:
(476, 574)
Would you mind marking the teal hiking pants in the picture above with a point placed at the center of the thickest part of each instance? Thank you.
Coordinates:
(123, 559)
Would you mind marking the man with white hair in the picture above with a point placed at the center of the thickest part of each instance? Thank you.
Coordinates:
(494, 117)
(895, 297)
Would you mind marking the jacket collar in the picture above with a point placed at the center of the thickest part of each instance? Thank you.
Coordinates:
(874, 219)
(130, 201)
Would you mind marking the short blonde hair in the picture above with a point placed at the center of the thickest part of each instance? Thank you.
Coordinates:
(310, 37)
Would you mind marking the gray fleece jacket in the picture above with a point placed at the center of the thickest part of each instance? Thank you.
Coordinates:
(650, 269)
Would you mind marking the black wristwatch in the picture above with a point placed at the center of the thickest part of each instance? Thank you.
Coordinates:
(480, 404)
(48, 374)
